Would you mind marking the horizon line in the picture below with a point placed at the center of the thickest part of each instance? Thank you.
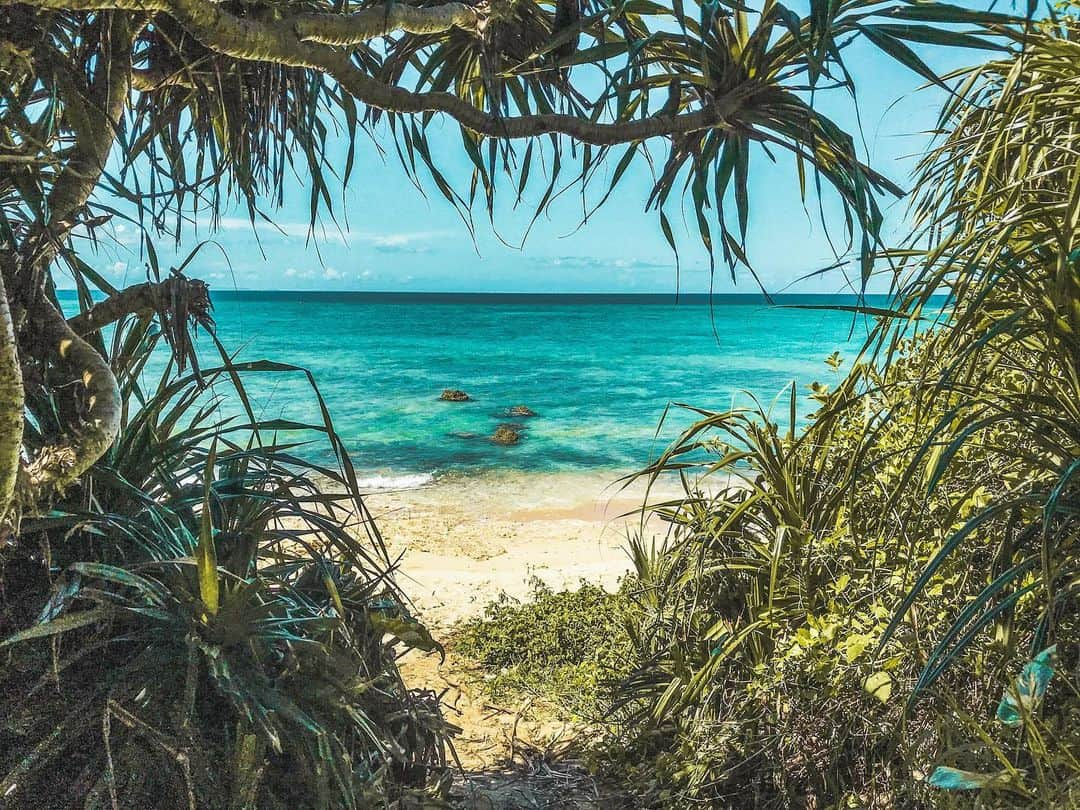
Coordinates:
(339, 291)
(756, 295)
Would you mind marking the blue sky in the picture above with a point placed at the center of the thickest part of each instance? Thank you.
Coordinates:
(391, 237)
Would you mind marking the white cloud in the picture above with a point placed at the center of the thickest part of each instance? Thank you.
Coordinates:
(604, 263)
(330, 274)
(403, 241)
(394, 239)
(292, 272)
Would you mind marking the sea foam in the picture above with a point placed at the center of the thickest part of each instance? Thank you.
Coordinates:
(413, 481)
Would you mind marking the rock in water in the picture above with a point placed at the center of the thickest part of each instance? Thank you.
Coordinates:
(454, 395)
(506, 434)
(521, 411)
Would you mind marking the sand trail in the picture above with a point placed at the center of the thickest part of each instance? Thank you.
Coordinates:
(465, 542)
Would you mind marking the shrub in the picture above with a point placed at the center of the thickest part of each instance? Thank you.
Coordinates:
(209, 631)
(767, 676)
(566, 646)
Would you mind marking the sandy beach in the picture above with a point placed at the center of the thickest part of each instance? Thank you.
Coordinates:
(464, 541)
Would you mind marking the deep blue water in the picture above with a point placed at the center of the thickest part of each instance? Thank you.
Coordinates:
(599, 370)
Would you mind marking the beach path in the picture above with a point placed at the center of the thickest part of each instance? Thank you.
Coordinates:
(464, 543)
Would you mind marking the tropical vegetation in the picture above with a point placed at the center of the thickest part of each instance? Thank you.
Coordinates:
(195, 614)
(870, 611)
(568, 648)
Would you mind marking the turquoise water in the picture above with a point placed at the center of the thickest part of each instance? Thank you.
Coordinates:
(598, 370)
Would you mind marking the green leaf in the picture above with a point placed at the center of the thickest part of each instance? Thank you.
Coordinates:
(408, 631)
(597, 53)
(879, 685)
(955, 779)
(1025, 693)
(153, 591)
(71, 621)
(327, 575)
(205, 552)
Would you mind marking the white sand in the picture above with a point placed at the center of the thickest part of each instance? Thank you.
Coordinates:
(466, 540)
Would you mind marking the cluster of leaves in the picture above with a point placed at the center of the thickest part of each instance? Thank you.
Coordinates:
(840, 609)
(203, 124)
(771, 663)
(761, 70)
(568, 647)
(208, 620)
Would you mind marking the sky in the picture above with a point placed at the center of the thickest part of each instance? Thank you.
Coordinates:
(391, 237)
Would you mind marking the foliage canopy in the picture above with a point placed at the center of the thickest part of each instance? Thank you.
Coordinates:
(188, 610)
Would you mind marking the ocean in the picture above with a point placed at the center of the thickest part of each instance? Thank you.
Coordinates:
(599, 370)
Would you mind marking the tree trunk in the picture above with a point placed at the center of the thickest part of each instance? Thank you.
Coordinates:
(12, 402)
(99, 407)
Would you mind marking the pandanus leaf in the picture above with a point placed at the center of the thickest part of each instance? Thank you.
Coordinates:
(64, 592)
(327, 575)
(408, 631)
(205, 552)
(947, 778)
(1025, 693)
(61, 624)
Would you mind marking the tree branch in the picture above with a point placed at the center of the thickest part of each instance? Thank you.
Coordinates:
(146, 80)
(352, 29)
(12, 406)
(95, 119)
(243, 38)
(144, 299)
(96, 130)
(278, 42)
(56, 467)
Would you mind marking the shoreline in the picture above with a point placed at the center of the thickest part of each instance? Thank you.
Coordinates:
(466, 540)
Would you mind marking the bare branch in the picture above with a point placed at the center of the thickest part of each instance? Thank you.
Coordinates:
(95, 118)
(144, 299)
(148, 80)
(351, 29)
(96, 123)
(252, 40)
(12, 404)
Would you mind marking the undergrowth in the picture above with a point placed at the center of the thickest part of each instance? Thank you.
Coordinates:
(566, 647)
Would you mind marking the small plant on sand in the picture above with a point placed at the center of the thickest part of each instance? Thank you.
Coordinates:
(565, 647)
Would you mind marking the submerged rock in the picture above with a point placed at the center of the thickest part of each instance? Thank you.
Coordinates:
(521, 411)
(507, 434)
(466, 435)
(454, 395)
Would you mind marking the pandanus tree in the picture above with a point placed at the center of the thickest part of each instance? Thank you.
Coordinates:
(913, 552)
(171, 104)
(165, 111)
